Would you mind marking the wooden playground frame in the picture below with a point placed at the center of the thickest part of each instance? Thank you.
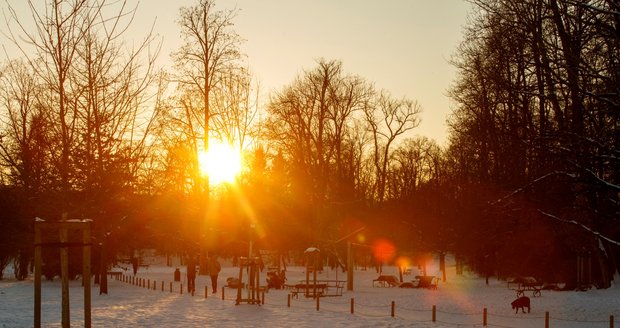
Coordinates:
(56, 235)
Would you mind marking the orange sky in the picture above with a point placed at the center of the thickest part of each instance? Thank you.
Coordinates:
(402, 46)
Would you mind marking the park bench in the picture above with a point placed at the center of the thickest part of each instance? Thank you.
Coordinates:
(308, 290)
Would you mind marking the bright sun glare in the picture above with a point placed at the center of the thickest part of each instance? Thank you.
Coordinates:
(221, 163)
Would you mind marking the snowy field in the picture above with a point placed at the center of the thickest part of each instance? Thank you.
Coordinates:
(459, 302)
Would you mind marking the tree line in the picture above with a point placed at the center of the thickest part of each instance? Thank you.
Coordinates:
(527, 185)
(535, 134)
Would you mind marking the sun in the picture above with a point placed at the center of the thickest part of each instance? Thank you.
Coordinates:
(221, 163)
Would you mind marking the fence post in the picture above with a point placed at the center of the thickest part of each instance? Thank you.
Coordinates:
(317, 303)
(288, 300)
(393, 310)
(263, 296)
(352, 305)
(223, 293)
(149, 284)
(206, 291)
(162, 285)
(171, 287)
(484, 317)
(611, 321)
(181, 289)
(547, 319)
(434, 313)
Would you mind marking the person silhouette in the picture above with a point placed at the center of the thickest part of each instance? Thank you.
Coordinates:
(213, 268)
(191, 274)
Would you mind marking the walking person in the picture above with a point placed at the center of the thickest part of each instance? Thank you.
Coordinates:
(213, 268)
(191, 274)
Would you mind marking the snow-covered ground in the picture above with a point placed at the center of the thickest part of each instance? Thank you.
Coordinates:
(459, 302)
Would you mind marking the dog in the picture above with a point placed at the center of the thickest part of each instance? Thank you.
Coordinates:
(521, 303)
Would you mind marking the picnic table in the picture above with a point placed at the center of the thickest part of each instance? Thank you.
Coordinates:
(308, 290)
(321, 288)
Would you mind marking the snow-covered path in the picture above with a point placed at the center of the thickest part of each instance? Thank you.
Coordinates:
(459, 302)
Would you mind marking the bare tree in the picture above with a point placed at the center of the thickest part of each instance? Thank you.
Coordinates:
(23, 139)
(414, 163)
(537, 98)
(311, 124)
(236, 107)
(114, 106)
(92, 94)
(311, 120)
(388, 119)
(58, 31)
(210, 50)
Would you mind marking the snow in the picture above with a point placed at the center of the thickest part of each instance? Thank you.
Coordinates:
(459, 302)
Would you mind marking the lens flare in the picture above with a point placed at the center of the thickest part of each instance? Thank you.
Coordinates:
(383, 250)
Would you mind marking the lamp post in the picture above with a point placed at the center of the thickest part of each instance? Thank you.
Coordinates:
(252, 226)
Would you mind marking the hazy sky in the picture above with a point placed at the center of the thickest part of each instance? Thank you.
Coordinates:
(402, 46)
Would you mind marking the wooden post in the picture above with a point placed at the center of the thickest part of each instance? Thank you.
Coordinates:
(206, 291)
(86, 250)
(64, 274)
(349, 267)
(171, 287)
(484, 317)
(314, 277)
(181, 289)
(37, 277)
(611, 321)
(241, 263)
(306, 292)
(393, 309)
(317, 302)
(434, 313)
(547, 319)
(222, 293)
(352, 305)
(288, 300)
(162, 285)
